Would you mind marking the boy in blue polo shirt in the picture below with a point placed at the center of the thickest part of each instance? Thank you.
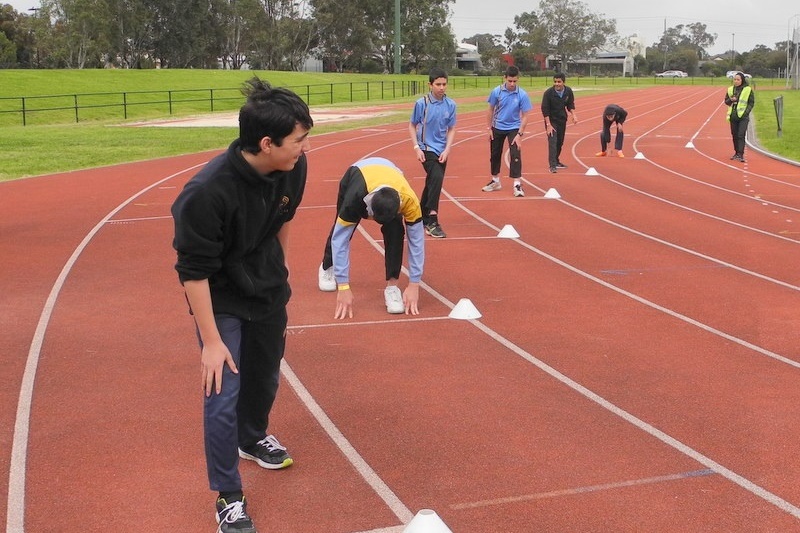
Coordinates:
(509, 105)
(432, 130)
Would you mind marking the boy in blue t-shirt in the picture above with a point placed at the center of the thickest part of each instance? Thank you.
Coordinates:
(432, 130)
(509, 105)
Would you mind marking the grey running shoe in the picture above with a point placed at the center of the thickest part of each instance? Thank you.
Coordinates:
(435, 230)
(492, 186)
(232, 517)
(268, 453)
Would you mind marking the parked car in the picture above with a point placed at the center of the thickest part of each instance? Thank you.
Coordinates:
(731, 73)
(672, 74)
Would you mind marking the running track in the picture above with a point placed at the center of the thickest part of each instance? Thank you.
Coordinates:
(636, 367)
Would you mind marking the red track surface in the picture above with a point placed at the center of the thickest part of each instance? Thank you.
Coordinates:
(635, 369)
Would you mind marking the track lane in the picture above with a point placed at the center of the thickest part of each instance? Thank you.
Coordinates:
(511, 388)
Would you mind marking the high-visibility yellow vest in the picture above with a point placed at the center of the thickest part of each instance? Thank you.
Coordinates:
(744, 96)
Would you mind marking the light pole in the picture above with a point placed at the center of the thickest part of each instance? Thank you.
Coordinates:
(397, 40)
(733, 51)
(792, 46)
(35, 11)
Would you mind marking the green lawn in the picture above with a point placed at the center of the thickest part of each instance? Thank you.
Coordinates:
(766, 123)
(100, 137)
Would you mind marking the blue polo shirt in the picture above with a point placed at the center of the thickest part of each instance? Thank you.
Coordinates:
(433, 118)
(507, 107)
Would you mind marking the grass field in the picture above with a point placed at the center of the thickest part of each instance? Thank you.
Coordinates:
(47, 148)
(788, 144)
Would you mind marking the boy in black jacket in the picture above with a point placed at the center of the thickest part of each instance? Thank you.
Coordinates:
(231, 231)
(612, 114)
(557, 103)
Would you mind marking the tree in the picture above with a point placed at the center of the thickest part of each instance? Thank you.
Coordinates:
(572, 30)
(183, 34)
(80, 33)
(670, 52)
(132, 34)
(529, 39)
(763, 61)
(699, 38)
(426, 34)
(344, 32)
(8, 52)
(359, 30)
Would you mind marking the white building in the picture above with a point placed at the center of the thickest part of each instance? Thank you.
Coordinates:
(467, 57)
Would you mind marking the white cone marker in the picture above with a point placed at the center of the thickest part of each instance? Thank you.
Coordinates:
(427, 521)
(552, 194)
(464, 310)
(508, 232)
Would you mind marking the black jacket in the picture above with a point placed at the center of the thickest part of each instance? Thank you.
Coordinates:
(555, 106)
(619, 114)
(226, 223)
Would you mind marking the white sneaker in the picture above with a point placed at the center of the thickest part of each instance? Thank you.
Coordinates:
(394, 300)
(326, 279)
(518, 190)
(492, 186)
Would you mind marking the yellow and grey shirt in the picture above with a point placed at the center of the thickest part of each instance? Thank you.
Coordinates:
(361, 180)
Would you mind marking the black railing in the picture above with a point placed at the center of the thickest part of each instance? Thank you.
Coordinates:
(63, 108)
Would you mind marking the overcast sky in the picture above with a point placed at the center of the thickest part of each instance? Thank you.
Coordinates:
(742, 24)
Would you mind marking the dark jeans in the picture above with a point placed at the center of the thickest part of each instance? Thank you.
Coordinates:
(496, 152)
(239, 414)
(434, 179)
(739, 132)
(394, 234)
(605, 138)
(556, 141)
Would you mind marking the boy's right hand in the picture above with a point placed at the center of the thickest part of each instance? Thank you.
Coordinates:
(213, 359)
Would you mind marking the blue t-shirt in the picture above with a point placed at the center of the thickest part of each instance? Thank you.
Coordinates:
(507, 107)
(433, 118)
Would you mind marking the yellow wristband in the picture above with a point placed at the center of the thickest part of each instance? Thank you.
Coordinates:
(344, 287)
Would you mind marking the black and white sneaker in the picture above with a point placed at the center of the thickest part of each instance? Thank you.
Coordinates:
(232, 517)
(560, 165)
(518, 192)
(268, 453)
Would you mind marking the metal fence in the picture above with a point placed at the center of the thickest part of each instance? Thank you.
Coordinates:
(65, 108)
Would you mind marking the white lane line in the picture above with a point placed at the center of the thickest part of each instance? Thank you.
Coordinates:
(15, 517)
(369, 475)
(665, 438)
(582, 490)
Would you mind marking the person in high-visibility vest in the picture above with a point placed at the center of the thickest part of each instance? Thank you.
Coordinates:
(740, 100)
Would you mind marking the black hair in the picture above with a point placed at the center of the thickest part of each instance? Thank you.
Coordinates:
(385, 205)
(512, 71)
(435, 74)
(269, 112)
(744, 78)
(561, 76)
